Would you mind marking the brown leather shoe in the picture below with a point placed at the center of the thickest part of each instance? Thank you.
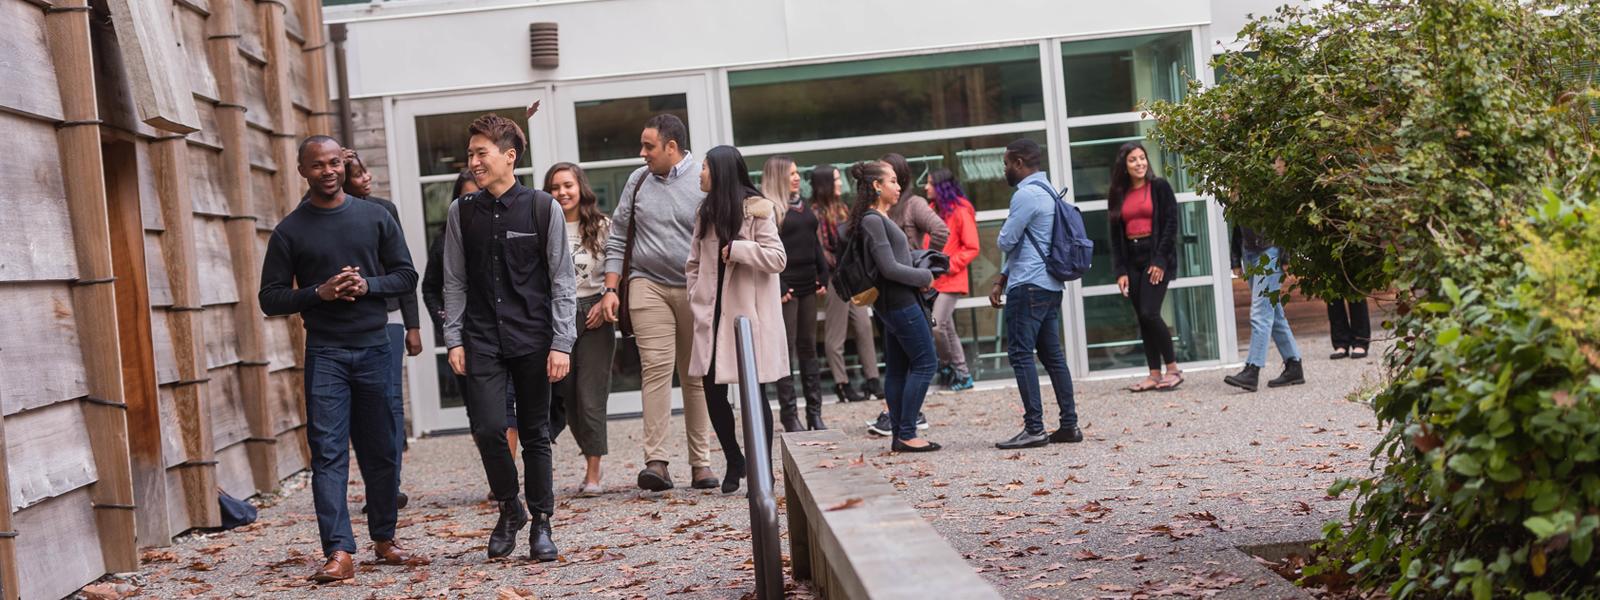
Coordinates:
(654, 477)
(390, 553)
(338, 568)
(703, 478)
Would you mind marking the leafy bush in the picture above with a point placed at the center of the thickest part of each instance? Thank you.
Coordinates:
(1444, 149)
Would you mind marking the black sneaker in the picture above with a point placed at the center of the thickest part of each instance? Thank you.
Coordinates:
(1066, 435)
(882, 426)
(1024, 440)
(922, 421)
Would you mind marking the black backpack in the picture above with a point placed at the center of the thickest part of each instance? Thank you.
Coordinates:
(856, 276)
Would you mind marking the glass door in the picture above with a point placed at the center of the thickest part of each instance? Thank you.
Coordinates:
(431, 142)
(597, 126)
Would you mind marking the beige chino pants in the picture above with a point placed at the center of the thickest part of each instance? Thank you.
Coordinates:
(663, 328)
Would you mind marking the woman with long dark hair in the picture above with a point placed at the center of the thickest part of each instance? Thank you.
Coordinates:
(581, 397)
(735, 257)
(802, 279)
(1144, 251)
(907, 340)
(841, 317)
(959, 216)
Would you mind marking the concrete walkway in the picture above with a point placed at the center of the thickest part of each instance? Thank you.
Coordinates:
(1149, 506)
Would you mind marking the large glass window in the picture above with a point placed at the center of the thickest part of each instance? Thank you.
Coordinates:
(442, 140)
(1115, 75)
(609, 129)
(1194, 243)
(1112, 332)
(976, 161)
(1094, 149)
(889, 95)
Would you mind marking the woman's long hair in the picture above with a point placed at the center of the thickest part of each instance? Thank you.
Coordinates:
(947, 192)
(775, 180)
(862, 174)
(1121, 181)
(591, 221)
(830, 209)
(723, 209)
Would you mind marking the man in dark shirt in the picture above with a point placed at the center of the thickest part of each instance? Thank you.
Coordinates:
(510, 307)
(335, 261)
(404, 326)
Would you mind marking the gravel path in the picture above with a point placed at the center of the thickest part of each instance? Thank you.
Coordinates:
(1148, 506)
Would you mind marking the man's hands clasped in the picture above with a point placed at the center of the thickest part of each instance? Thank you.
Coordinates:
(347, 285)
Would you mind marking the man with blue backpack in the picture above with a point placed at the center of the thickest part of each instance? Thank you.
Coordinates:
(1045, 245)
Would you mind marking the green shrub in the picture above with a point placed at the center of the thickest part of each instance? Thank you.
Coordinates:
(1444, 149)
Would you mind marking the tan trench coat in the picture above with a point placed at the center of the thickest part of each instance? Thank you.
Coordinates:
(750, 288)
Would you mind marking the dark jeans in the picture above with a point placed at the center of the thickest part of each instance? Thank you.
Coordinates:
(397, 394)
(585, 390)
(487, 378)
(800, 325)
(347, 401)
(1033, 324)
(1147, 299)
(910, 363)
(1349, 324)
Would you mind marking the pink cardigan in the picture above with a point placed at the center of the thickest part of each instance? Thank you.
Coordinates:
(750, 288)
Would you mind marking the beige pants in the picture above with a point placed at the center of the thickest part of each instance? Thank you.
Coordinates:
(663, 328)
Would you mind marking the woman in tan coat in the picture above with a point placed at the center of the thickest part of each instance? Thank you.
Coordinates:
(734, 262)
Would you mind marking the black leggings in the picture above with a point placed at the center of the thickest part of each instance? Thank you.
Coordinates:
(717, 405)
(1147, 298)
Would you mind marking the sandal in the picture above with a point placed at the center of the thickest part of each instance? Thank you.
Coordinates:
(1148, 384)
(589, 490)
(1167, 387)
(1358, 352)
(1339, 353)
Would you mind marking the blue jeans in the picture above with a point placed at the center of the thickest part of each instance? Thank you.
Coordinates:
(347, 400)
(1033, 324)
(397, 394)
(1267, 320)
(910, 362)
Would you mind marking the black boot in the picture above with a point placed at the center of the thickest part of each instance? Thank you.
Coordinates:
(1248, 379)
(540, 547)
(811, 384)
(504, 538)
(873, 389)
(845, 393)
(1293, 374)
(787, 414)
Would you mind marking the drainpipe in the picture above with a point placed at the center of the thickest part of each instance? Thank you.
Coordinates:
(339, 33)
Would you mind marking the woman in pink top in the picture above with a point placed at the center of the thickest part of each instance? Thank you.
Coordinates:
(1143, 215)
(962, 247)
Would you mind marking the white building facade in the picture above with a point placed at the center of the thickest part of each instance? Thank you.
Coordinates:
(947, 83)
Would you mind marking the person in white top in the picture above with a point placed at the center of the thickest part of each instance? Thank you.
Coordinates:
(580, 399)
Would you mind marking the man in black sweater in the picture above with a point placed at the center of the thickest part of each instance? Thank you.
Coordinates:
(335, 261)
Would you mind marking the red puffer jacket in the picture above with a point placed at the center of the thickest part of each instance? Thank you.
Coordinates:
(962, 248)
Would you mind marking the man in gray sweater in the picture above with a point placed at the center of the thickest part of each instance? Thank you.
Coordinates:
(652, 226)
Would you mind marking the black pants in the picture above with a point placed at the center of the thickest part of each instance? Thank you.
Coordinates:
(1348, 324)
(722, 420)
(485, 392)
(1147, 298)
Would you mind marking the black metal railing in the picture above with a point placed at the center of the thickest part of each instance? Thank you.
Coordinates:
(758, 471)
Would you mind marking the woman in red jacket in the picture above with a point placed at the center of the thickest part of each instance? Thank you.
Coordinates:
(962, 247)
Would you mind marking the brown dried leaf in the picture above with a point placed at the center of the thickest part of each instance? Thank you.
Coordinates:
(847, 504)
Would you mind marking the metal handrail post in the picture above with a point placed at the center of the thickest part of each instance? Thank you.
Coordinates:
(758, 471)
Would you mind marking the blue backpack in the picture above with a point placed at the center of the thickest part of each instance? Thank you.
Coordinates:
(1071, 251)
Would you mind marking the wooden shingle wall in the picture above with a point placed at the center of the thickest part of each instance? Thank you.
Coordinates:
(137, 374)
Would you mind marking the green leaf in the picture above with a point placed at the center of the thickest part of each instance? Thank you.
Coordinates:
(1451, 291)
(1468, 566)
(1448, 336)
(1466, 464)
(1582, 549)
(1542, 528)
(1434, 307)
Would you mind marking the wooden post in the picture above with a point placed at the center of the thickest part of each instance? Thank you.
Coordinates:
(10, 580)
(316, 56)
(280, 108)
(198, 471)
(93, 295)
(138, 344)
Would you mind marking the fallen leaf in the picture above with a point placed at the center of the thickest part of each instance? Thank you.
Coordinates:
(849, 503)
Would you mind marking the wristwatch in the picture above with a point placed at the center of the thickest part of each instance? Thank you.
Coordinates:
(610, 290)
